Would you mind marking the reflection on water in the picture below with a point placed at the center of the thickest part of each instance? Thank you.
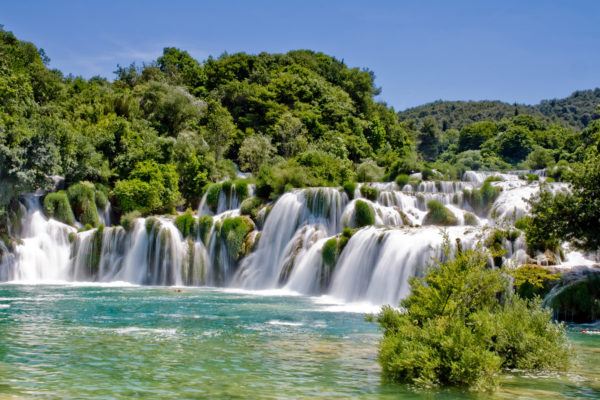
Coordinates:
(122, 342)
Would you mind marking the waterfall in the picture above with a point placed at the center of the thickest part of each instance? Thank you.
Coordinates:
(286, 250)
(317, 206)
(44, 249)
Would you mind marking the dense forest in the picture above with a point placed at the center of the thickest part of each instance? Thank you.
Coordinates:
(155, 138)
(575, 111)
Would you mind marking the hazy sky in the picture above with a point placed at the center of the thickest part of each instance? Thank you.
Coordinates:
(420, 51)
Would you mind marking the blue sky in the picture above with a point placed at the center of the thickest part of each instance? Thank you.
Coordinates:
(420, 51)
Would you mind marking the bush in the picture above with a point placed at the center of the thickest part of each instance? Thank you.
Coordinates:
(186, 223)
(234, 231)
(213, 191)
(241, 188)
(250, 207)
(56, 205)
(427, 174)
(127, 220)
(461, 325)
(401, 180)
(151, 188)
(438, 214)
(363, 214)
(532, 280)
(136, 195)
(369, 192)
(82, 196)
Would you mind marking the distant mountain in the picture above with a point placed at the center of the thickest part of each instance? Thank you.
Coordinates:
(576, 111)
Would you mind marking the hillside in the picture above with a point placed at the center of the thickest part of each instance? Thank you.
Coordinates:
(575, 111)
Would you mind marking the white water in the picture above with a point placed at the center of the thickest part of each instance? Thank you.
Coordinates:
(373, 269)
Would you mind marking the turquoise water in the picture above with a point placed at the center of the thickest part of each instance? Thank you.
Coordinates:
(128, 342)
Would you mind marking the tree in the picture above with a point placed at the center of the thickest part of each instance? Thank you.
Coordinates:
(255, 151)
(219, 128)
(429, 139)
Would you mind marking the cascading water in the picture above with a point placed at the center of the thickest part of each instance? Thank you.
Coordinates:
(374, 265)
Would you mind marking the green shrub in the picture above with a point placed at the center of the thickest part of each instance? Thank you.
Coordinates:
(364, 214)
(101, 199)
(234, 231)
(427, 174)
(401, 180)
(127, 220)
(82, 197)
(350, 188)
(136, 195)
(241, 188)
(251, 207)
(369, 192)
(186, 223)
(212, 195)
(151, 188)
(438, 214)
(460, 326)
(56, 205)
(532, 280)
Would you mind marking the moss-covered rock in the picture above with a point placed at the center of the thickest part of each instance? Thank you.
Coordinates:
(82, 197)
(471, 219)
(57, 206)
(438, 214)
(364, 214)
(350, 188)
(186, 223)
(330, 252)
(205, 224)
(234, 231)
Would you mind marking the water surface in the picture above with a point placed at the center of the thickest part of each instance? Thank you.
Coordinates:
(122, 342)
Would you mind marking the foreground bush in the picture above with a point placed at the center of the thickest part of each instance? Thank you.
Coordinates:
(462, 326)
